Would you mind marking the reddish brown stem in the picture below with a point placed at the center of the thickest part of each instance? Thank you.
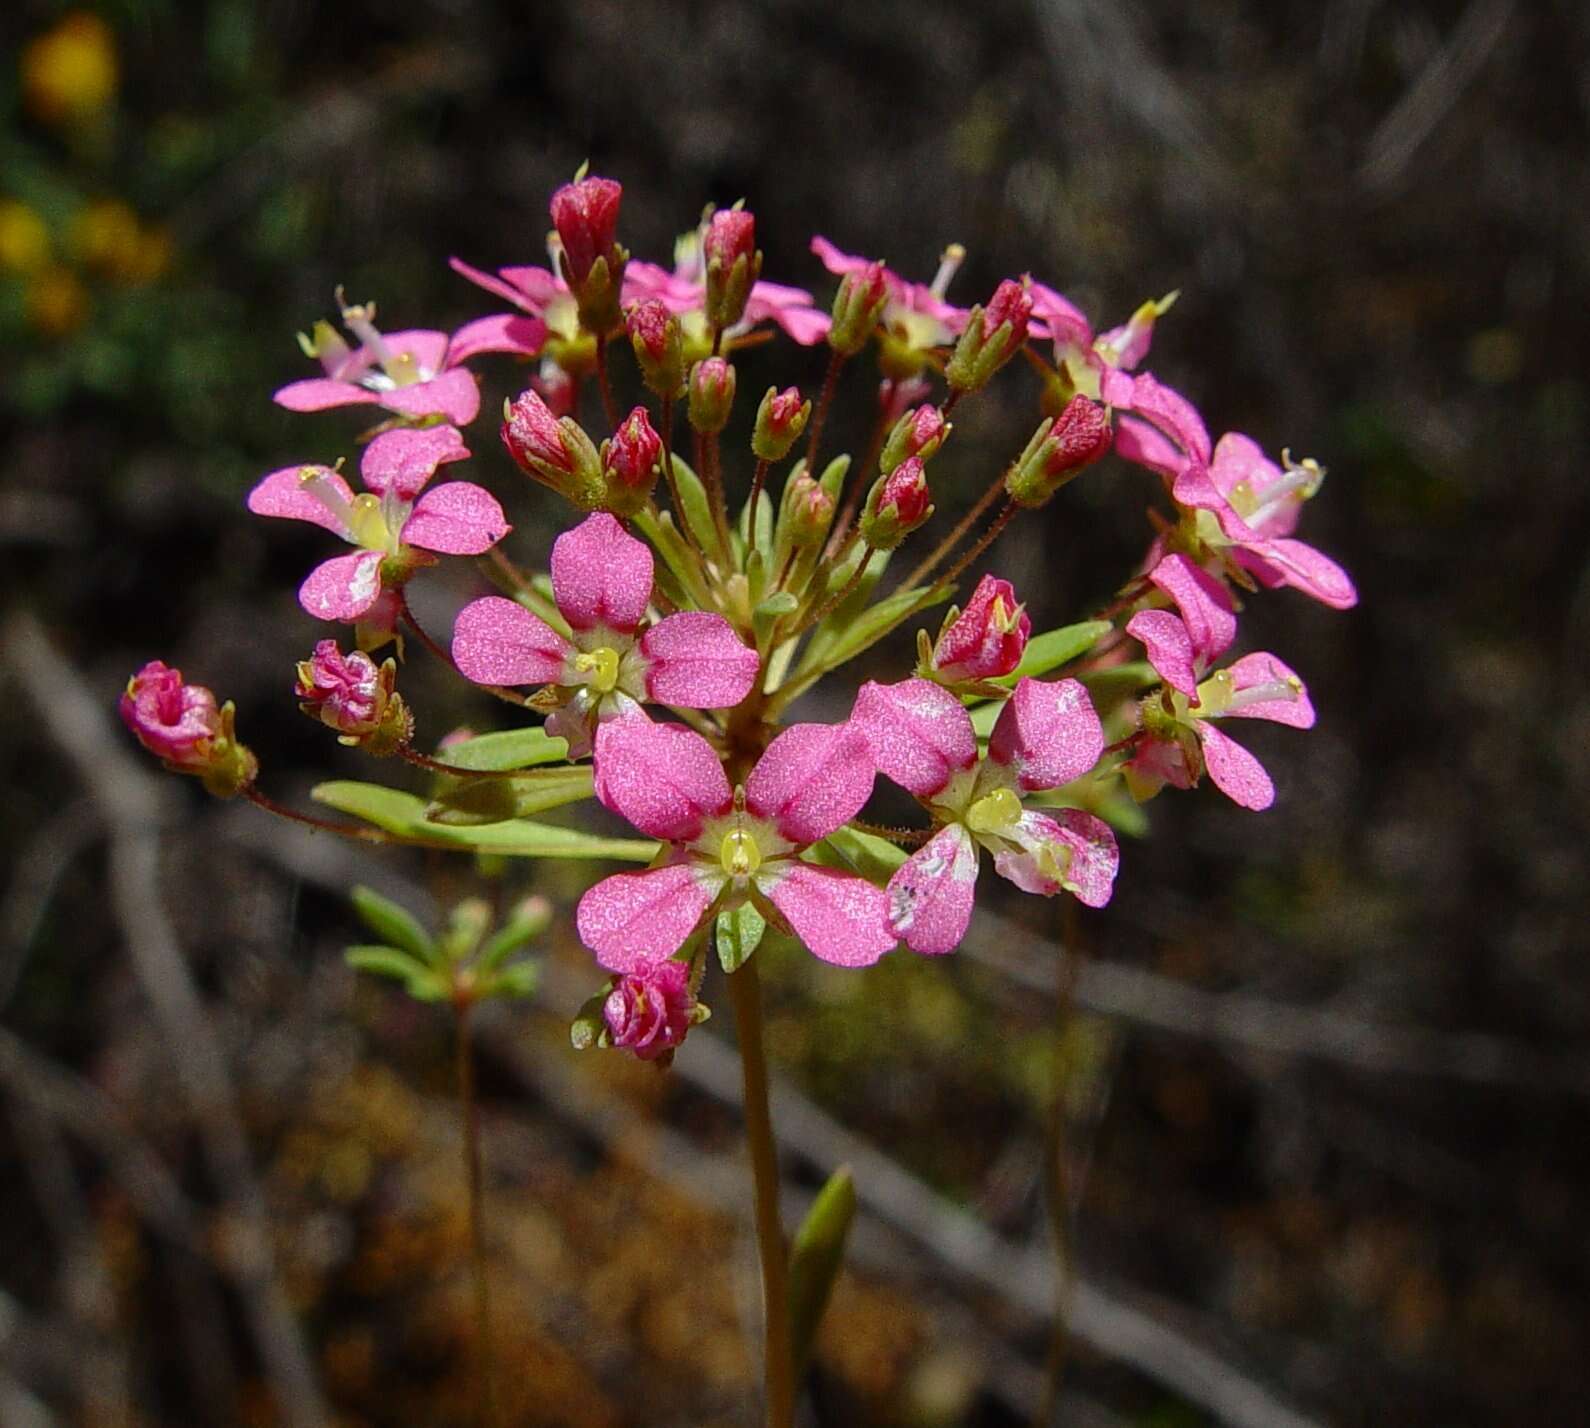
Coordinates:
(825, 398)
(954, 538)
(609, 406)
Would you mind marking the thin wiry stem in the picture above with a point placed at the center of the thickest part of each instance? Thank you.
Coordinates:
(931, 562)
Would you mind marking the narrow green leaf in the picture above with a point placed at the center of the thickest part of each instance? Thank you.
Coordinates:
(1119, 680)
(494, 800)
(698, 509)
(815, 1259)
(679, 560)
(529, 920)
(874, 858)
(507, 749)
(867, 628)
(1054, 648)
(388, 808)
(388, 920)
(519, 980)
(762, 538)
(419, 981)
(739, 930)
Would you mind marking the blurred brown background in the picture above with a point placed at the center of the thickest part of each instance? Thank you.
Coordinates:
(1324, 1080)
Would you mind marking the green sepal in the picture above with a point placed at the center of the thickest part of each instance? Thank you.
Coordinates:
(495, 800)
(815, 1258)
(506, 749)
(403, 815)
(589, 1026)
(393, 923)
(419, 981)
(737, 934)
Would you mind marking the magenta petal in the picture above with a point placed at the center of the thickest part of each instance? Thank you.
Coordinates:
(284, 494)
(453, 395)
(835, 261)
(1303, 568)
(1254, 670)
(425, 345)
(1091, 855)
(1240, 458)
(496, 641)
(1171, 412)
(919, 733)
(1236, 773)
(343, 588)
(842, 918)
(931, 895)
(696, 661)
(1205, 605)
(812, 779)
(630, 918)
(1049, 732)
(664, 778)
(501, 332)
(318, 394)
(1194, 488)
(601, 575)
(402, 461)
(1146, 445)
(1170, 648)
(507, 291)
(459, 518)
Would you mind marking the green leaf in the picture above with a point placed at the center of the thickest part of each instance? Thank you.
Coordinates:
(1054, 648)
(815, 1259)
(681, 562)
(769, 612)
(396, 924)
(507, 749)
(874, 858)
(519, 980)
(589, 1024)
(419, 981)
(698, 509)
(984, 717)
(762, 539)
(403, 815)
(494, 800)
(867, 628)
(739, 930)
(529, 920)
(1119, 680)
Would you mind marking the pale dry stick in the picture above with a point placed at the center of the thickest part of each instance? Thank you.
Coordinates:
(80, 725)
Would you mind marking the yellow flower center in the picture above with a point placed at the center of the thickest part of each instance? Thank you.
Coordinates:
(367, 522)
(997, 812)
(602, 666)
(739, 854)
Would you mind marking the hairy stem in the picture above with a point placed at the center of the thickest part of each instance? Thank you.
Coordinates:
(931, 562)
(825, 398)
(987, 539)
(779, 1368)
(858, 482)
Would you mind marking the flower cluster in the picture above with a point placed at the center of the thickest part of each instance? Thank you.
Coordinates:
(674, 630)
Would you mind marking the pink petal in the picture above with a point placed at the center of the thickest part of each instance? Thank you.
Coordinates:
(1049, 732)
(842, 918)
(631, 917)
(1163, 761)
(496, 641)
(812, 779)
(1058, 317)
(664, 778)
(1236, 773)
(507, 291)
(931, 895)
(1194, 488)
(459, 518)
(919, 733)
(425, 345)
(1151, 399)
(1169, 646)
(1205, 605)
(601, 575)
(1291, 562)
(500, 332)
(1240, 458)
(318, 394)
(343, 588)
(282, 494)
(696, 661)
(1092, 856)
(835, 261)
(1139, 442)
(1264, 668)
(453, 395)
(403, 460)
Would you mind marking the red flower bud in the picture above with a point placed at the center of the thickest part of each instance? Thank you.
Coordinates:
(917, 433)
(533, 437)
(780, 420)
(897, 504)
(586, 217)
(731, 234)
(1080, 436)
(987, 639)
(1010, 303)
(634, 451)
(711, 394)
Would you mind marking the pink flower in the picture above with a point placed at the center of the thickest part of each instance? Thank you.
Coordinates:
(729, 846)
(987, 639)
(354, 696)
(585, 214)
(182, 725)
(922, 738)
(897, 504)
(650, 1008)
(1047, 734)
(1240, 506)
(915, 318)
(1177, 740)
(633, 454)
(1081, 354)
(394, 527)
(601, 582)
(415, 373)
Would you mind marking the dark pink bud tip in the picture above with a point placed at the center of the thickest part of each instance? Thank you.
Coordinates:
(586, 217)
(730, 235)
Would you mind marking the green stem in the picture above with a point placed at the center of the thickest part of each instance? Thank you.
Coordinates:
(779, 1365)
(469, 1110)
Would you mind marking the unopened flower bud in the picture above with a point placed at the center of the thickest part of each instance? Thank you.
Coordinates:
(350, 694)
(858, 305)
(897, 504)
(630, 463)
(992, 336)
(658, 340)
(780, 420)
(987, 638)
(650, 1008)
(585, 213)
(182, 725)
(554, 451)
(1059, 449)
(711, 394)
(806, 511)
(917, 433)
(733, 265)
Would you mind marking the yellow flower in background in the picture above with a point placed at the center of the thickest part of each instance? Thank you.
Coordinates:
(57, 301)
(70, 73)
(108, 238)
(24, 239)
